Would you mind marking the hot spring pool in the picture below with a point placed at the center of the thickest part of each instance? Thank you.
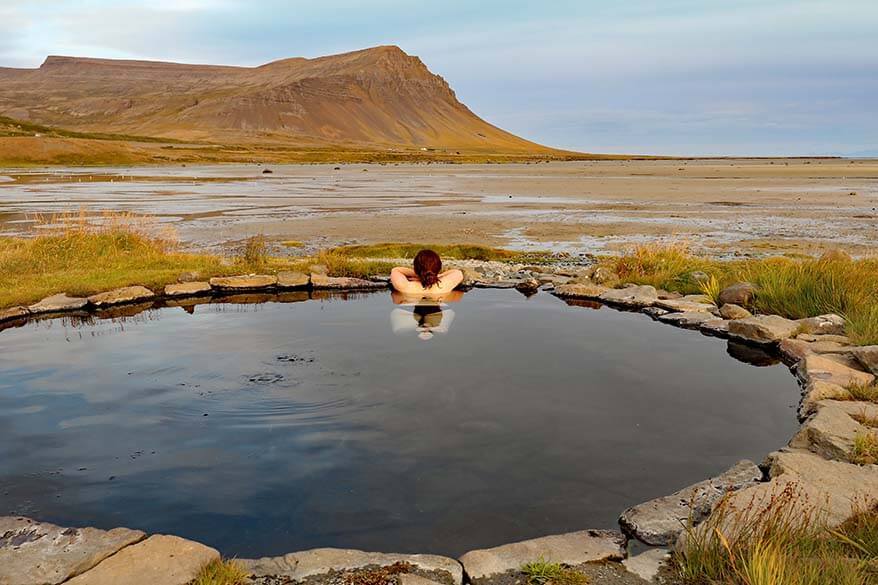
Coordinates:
(262, 429)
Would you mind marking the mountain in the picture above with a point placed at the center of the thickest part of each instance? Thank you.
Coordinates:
(379, 98)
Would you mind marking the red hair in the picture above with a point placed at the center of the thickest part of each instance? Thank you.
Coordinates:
(427, 266)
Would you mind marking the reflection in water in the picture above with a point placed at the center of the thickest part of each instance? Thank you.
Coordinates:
(424, 318)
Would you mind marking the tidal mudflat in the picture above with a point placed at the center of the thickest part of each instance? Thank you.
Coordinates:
(722, 207)
(265, 428)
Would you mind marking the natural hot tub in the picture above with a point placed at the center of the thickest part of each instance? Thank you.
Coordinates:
(265, 428)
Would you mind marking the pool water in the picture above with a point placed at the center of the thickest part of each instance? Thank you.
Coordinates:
(266, 428)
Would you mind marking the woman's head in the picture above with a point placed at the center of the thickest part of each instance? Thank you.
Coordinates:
(427, 266)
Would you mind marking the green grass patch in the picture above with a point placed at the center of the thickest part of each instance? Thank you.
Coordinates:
(338, 264)
(786, 543)
(541, 572)
(792, 288)
(221, 572)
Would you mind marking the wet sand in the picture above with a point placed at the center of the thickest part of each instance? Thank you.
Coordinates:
(721, 207)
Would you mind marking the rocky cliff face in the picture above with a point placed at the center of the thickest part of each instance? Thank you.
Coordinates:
(376, 97)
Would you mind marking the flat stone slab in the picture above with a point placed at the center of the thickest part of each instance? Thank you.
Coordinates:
(718, 327)
(158, 560)
(319, 561)
(128, 294)
(647, 564)
(574, 548)
(496, 283)
(39, 553)
(818, 390)
(186, 289)
(632, 296)
(763, 328)
(293, 280)
(580, 290)
(817, 367)
(321, 281)
(13, 313)
(684, 306)
(58, 303)
(830, 431)
(811, 337)
(248, 282)
(688, 320)
(868, 357)
(660, 521)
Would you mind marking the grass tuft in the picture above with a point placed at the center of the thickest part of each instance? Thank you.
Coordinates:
(220, 572)
(864, 392)
(785, 542)
(541, 572)
(865, 448)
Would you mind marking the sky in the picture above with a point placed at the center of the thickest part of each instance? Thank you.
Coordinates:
(700, 77)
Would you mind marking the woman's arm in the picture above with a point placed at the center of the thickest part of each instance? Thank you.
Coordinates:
(401, 279)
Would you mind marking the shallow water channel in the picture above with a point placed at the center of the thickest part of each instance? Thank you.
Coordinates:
(266, 428)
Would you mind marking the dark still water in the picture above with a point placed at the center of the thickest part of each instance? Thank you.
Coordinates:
(264, 429)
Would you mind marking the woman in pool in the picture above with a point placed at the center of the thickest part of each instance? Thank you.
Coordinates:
(427, 278)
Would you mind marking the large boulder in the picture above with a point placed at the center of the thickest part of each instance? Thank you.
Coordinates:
(831, 430)
(158, 560)
(249, 282)
(39, 553)
(58, 303)
(660, 521)
(298, 566)
(868, 357)
(763, 328)
(119, 296)
(574, 548)
(741, 294)
(631, 296)
(322, 281)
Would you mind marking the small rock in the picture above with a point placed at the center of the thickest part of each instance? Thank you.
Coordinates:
(631, 296)
(698, 276)
(867, 355)
(603, 274)
(660, 521)
(58, 303)
(187, 289)
(763, 328)
(321, 281)
(840, 339)
(128, 294)
(740, 294)
(822, 325)
(251, 282)
(574, 548)
(732, 312)
(39, 553)
(293, 280)
(191, 276)
(528, 287)
(794, 350)
(158, 560)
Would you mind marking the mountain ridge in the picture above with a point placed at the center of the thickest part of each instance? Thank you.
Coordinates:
(380, 97)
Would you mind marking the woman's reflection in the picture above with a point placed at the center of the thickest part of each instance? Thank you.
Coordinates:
(425, 317)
